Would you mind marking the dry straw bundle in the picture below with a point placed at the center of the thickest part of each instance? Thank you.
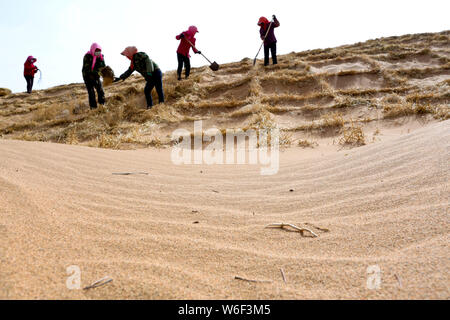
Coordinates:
(4, 92)
(108, 75)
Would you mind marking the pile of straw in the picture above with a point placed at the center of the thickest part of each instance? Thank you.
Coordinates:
(108, 75)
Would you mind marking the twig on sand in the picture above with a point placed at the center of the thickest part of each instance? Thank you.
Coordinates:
(398, 280)
(285, 225)
(99, 283)
(283, 275)
(215, 191)
(318, 228)
(253, 281)
(130, 173)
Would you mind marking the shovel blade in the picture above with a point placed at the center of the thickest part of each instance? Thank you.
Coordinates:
(214, 66)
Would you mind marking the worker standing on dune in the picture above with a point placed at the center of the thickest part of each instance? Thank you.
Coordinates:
(93, 62)
(29, 71)
(141, 62)
(267, 33)
(187, 41)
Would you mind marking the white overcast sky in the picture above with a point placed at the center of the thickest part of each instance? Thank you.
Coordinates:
(59, 32)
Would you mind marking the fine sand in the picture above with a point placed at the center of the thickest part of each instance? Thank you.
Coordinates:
(186, 232)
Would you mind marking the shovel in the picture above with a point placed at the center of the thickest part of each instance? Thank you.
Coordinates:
(213, 65)
(267, 33)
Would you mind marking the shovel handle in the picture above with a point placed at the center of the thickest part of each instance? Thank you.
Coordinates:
(197, 50)
(205, 57)
(268, 29)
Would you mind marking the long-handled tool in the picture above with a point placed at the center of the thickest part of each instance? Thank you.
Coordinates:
(267, 33)
(213, 65)
(40, 76)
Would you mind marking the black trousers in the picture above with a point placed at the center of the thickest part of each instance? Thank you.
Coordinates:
(30, 81)
(187, 65)
(273, 49)
(93, 85)
(155, 81)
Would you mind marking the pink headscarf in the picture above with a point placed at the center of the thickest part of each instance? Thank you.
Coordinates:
(192, 31)
(30, 59)
(129, 52)
(94, 47)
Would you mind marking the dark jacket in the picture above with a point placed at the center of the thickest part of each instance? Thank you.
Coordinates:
(142, 64)
(88, 73)
(271, 35)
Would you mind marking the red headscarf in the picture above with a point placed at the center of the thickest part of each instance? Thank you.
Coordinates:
(31, 59)
(263, 21)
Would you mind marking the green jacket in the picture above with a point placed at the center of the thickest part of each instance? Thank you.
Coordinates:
(142, 64)
(88, 73)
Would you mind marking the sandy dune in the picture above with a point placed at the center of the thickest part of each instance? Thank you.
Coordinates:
(384, 204)
(186, 232)
(308, 95)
